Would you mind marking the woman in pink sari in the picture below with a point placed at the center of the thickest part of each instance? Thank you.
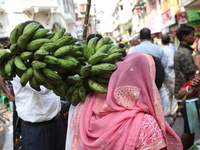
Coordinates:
(129, 116)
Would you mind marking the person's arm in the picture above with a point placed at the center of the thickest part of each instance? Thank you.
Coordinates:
(4, 88)
(194, 84)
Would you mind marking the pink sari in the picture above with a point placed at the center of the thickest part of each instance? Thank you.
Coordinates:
(113, 121)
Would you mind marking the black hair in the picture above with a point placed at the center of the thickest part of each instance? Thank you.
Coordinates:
(30, 21)
(183, 30)
(94, 35)
(145, 33)
(121, 45)
(160, 72)
(165, 39)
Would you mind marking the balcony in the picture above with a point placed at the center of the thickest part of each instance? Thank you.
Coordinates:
(39, 5)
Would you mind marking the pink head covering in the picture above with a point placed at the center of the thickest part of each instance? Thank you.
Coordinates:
(113, 120)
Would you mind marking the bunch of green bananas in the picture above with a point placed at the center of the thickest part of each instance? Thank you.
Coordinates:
(39, 57)
(100, 57)
(42, 58)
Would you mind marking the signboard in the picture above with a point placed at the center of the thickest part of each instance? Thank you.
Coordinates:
(168, 18)
(182, 18)
(79, 28)
(193, 15)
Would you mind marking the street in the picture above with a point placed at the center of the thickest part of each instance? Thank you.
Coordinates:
(178, 127)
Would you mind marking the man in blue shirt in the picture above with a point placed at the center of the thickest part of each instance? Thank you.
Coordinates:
(146, 46)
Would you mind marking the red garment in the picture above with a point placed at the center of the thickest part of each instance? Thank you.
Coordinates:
(187, 84)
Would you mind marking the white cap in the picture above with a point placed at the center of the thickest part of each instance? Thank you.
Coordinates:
(133, 37)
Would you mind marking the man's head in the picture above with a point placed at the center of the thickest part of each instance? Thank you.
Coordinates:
(135, 42)
(94, 35)
(165, 39)
(185, 35)
(171, 38)
(145, 33)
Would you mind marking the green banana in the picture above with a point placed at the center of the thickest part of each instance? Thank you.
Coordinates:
(112, 58)
(49, 35)
(86, 52)
(101, 42)
(2, 70)
(9, 68)
(77, 54)
(67, 34)
(38, 74)
(31, 28)
(75, 79)
(101, 80)
(16, 32)
(63, 41)
(23, 41)
(91, 45)
(57, 68)
(117, 50)
(105, 66)
(75, 98)
(72, 41)
(66, 64)
(70, 91)
(26, 55)
(33, 82)
(102, 68)
(48, 85)
(4, 55)
(64, 50)
(70, 58)
(26, 76)
(75, 49)
(104, 48)
(59, 34)
(106, 75)
(40, 33)
(50, 60)
(14, 49)
(51, 74)
(50, 47)
(96, 58)
(19, 63)
(18, 72)
(82, 92)
(55, 82)
(61, 88)
(36, 64)
(36, 44)
(85, 70)
(96, 87)
(39, 54)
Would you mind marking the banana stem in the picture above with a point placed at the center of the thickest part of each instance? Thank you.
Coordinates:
(85, 25)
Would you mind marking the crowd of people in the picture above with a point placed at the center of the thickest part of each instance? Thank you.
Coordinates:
(149, 84)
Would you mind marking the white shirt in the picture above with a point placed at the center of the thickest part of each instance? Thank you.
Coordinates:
(172, 47)
(34, 106)
(169, 54)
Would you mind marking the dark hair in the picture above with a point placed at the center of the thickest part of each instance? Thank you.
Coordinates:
(121, 45)
(165, 39)
(160, 72)
(30, 21)
(145, 33)
(183, 30)
(94, 35)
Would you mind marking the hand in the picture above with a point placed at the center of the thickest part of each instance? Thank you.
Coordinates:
(11, 97)
(195, 82)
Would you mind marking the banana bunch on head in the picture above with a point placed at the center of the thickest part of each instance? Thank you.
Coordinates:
(100, 56)
(40, 57)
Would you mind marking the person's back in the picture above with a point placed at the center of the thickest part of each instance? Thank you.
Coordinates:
(146, 46)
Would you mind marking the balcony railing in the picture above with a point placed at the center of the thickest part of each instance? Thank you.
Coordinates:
(39, 4)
